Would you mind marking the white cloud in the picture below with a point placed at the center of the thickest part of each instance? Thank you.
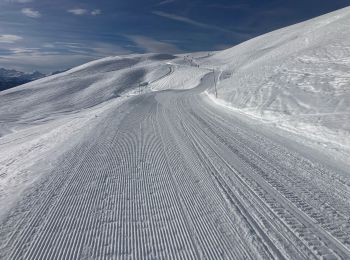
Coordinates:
(9, 38)
(78, 11)
(152, 45)
(81, 11)
(31, 12)
(96, 12)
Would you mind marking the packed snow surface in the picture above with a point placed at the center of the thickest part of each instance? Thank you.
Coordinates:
(238, 154)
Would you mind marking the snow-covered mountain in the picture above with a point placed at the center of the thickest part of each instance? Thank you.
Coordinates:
(134, 157)
(10, 78)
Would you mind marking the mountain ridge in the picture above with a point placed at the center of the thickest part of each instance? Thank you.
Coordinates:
(10, 78)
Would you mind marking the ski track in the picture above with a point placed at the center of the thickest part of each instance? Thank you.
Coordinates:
(176, 177)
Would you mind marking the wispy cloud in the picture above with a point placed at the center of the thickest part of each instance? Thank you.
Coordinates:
(151, 45)
(96, 12)
(20, 1)
(81, 11)
(190, 21)
(31, 12)
(48, 45)
(57, 55)
(166, 2)
(45, 63)
(230, 7)
(20, 50)
(181, 19)
(9, 38)
(77, 11)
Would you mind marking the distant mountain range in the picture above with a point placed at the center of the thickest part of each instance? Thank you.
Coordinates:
(10, 78)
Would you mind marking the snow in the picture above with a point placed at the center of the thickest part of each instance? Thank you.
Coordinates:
(297, 77)
(133, 157)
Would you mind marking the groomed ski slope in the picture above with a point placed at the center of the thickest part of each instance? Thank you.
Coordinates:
(133, 158)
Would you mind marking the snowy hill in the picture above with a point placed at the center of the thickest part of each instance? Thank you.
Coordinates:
(297, 77)
(133, 157)
(94, 83)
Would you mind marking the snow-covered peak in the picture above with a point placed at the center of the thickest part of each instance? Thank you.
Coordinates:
(11, 73)
(10, 78)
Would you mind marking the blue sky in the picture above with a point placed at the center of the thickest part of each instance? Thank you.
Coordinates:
(49, 35)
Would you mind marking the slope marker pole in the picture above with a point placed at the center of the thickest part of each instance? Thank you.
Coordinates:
(216, 91)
